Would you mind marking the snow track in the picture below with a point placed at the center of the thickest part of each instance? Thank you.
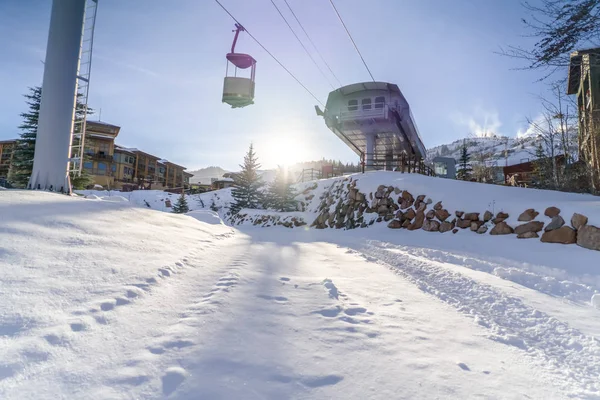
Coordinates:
(553, 345)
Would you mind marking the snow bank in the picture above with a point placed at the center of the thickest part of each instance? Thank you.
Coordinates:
(209, 217)
(116, 199)
(66, 262)
(596, 300)
(92, 197)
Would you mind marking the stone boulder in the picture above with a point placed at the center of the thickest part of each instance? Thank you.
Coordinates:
(471, 216)
(406, 200)
(528, 235)
(428, 201)
(459, 214)
(502, 228)
(430, 214)
(556, 223)
(438, 206)
(410, 214)
(442, 214)
(395, 224)
(406, 223)
(501, 216)
(397, 190)
(463, 223)
(352, 194)
(588, 236)
(420, 205)
(445, 227)
(563, 235)
(533, 226)
(421, 197)
(487, 216)
(578, 220)
(482, 229)
(454, 230)
(418, 222)
(475, 225)
(528, 215)
(552, 212)
(431, 226)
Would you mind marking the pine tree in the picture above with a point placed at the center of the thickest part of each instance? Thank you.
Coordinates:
(181, 207)
(22, 159)
(247, 184)
(281, 194)
(540, 167)
(464, 169)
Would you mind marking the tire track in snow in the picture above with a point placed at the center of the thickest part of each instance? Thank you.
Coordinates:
(553, 344)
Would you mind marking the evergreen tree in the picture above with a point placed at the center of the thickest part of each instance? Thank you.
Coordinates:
(464, 169)
(281, 194)
(181, 207)
(540, 167)
(22, 160)
(82, 181)
(246, 184)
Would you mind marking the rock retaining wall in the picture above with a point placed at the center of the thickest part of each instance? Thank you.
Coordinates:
(343, 206)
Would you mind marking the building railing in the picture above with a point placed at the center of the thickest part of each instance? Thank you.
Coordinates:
(100, 156)
(99, 172)
(399, 162)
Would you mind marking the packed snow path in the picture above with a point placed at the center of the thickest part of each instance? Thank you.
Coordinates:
(213, 313)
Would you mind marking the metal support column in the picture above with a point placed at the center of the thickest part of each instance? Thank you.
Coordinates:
(53, 142)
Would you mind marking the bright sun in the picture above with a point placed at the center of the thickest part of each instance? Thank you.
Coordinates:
(283, 150)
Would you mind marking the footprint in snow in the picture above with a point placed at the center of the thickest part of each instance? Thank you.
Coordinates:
(284, 279)
(463, 366)
(171, 380)
(275, 298)
(108, 305)
(355, 310)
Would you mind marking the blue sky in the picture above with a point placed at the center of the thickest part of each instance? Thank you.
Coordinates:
(158, 72)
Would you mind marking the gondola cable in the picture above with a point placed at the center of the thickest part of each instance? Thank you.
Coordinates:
(352, 40)
(302, 44)
(312, 43)
(271, 54)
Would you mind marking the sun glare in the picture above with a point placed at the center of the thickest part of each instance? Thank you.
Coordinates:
(282, 151)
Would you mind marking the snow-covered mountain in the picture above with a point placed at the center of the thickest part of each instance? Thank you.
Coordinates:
(498, 150)
(204, 175)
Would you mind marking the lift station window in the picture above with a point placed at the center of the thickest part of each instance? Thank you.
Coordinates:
(366, 104)
(379, 102)
(352, 105)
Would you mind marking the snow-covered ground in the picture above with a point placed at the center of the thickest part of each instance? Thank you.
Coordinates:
(110, 300)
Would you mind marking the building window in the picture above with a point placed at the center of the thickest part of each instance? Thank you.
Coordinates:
(379, 102)
(104, 147)
(366, 104)
(113, 168)
(87, 165)
(101, 166)
(352, 105)
(441, 169)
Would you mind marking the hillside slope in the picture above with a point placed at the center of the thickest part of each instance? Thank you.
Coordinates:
(102, 299)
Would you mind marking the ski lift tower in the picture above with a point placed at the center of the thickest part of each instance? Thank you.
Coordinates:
(66, 73)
